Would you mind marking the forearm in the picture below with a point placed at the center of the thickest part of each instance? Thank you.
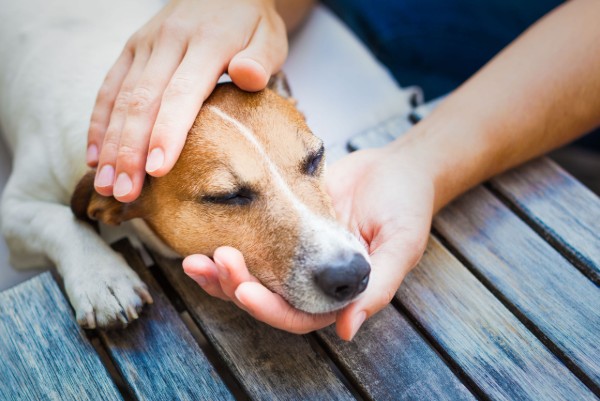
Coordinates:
(293, 12)
(541, 92)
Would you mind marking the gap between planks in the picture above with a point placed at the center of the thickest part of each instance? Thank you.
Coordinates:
(102, 352)
(574, 257)
(512, 308)
(458, 371)
(218, 360)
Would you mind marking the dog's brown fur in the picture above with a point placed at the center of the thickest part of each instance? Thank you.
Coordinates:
(216, 160)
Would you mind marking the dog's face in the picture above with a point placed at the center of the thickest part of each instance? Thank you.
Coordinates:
(251, 176)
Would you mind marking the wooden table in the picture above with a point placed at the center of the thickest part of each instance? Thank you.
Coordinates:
(505, 304)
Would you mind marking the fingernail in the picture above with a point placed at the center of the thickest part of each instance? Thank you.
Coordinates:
(257, 64)
(123, 186)
(105, 176)
(200, 279)
(155, 160)
(359, 319)
(223, 272)
(92, 154)
(237, 296)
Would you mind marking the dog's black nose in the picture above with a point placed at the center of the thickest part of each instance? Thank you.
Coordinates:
(344, 280)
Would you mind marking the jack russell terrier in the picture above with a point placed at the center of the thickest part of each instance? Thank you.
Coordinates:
(250, 176)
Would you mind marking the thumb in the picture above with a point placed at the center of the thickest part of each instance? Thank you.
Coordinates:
(389, 266)
(251, 68)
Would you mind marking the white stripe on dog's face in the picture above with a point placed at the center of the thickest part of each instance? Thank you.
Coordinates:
(250, 137)
(322, 240)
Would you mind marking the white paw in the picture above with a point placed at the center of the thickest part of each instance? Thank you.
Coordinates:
(105, 297)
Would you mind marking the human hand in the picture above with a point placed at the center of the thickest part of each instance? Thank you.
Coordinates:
(386, 198)
(153, 92)
(227, 277)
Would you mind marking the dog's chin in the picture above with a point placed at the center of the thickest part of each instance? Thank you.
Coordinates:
(322, 308)
(314, 302)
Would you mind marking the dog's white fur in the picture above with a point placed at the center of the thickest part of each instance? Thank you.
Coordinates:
(54, 56)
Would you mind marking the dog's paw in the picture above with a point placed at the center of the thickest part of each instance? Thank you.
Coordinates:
(107, 297)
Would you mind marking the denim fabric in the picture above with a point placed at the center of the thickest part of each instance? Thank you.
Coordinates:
(438, 44)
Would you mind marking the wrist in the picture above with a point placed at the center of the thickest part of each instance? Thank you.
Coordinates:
(447, 156)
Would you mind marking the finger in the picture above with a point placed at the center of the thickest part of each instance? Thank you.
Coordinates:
(204, 272)
(105, 174)
(141, 114)
(232, 270)
(251, 68)
(389, 267)
(191, 84)
(104, 105)
(273, 310)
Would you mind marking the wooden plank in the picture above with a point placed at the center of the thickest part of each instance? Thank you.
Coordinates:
(489, 344)
(270, 364)
(531, 276)
(156, 355)
(560, 208)
(45, 356)
(389, 360)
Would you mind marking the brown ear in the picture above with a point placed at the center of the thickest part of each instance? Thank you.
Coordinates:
(88, 205)
(279, 84)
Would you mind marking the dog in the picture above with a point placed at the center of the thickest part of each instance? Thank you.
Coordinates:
(251, 175)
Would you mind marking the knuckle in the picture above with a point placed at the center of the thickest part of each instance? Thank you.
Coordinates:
(294, 322)
(134, 40)
(121, 102)
(141, 100)
(172, 28)
(97, 118)
(108, 154)
(96, 129)
(129, 154)
(181, 84)
(105, 90)
(215, 33)
(111, 140)
(163, 128)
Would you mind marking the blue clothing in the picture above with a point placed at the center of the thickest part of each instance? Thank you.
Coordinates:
(438, 44)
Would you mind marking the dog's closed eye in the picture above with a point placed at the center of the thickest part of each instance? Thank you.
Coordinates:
(313, 161)
(238, 197)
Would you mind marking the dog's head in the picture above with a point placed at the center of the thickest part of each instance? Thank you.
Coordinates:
(250, 176)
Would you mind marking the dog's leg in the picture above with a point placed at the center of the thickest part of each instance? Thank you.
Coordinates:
(102, 288)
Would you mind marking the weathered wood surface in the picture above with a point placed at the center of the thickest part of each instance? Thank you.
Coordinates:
(43, 353)
(389, 360)
(156, 355)
(560, 208)
(502, 358)
(269, 364)
(538, 283)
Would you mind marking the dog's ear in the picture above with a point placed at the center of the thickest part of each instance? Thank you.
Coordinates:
(279, 84)
(88, 205)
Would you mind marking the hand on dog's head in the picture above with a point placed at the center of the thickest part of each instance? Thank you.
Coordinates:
(250, 176)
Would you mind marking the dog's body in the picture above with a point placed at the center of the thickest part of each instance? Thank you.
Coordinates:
(53, 59)
(252, 148)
